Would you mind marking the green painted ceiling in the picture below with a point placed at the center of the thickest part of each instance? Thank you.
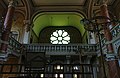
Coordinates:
(43, 20)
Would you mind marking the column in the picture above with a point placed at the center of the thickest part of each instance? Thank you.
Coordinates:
(26, 37)
(112, 64)
(7, 25)
(87, 69)
(67, 68)
(48, 68)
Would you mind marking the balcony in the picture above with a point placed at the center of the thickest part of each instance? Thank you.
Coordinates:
(72, 49)
(61, 49)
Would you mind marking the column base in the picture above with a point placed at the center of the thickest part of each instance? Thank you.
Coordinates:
(113, 65)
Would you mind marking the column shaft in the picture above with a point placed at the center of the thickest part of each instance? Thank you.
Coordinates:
(112, 64)
(26, 38)
(107, 33)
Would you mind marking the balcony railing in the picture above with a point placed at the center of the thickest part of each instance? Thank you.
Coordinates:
(15, 47)
(60, 48)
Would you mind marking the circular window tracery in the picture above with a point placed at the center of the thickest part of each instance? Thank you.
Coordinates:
(60, 37)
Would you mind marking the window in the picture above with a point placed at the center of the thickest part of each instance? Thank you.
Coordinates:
(60, 37)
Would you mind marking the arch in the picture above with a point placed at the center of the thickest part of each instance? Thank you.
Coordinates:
(21, 12)
(45, 37)
(27, 9)
(57, 19)
(42, 12)
(90, 8)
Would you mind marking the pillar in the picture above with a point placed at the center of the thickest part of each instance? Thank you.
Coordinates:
(7, 25)
(26, 32)
(86, 69)
(112, 64)
(48, 67)
(67, 68)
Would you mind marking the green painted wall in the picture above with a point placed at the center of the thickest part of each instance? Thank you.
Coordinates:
(57, 19)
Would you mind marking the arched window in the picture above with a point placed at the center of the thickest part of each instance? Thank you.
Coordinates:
(60, 37)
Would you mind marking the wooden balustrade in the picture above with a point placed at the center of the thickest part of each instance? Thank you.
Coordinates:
(14, 43)
(60, 48)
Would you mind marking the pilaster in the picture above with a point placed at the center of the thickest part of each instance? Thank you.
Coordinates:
(26, 37)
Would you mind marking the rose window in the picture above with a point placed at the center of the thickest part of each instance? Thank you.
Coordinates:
(60, 37)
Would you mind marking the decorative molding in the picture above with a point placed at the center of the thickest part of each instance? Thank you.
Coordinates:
(12, 3)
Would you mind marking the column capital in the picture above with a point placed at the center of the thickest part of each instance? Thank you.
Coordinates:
(12, 3)
(27, 24)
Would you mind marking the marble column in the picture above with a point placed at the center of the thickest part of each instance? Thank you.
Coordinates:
(112, 64)
(7, 25)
